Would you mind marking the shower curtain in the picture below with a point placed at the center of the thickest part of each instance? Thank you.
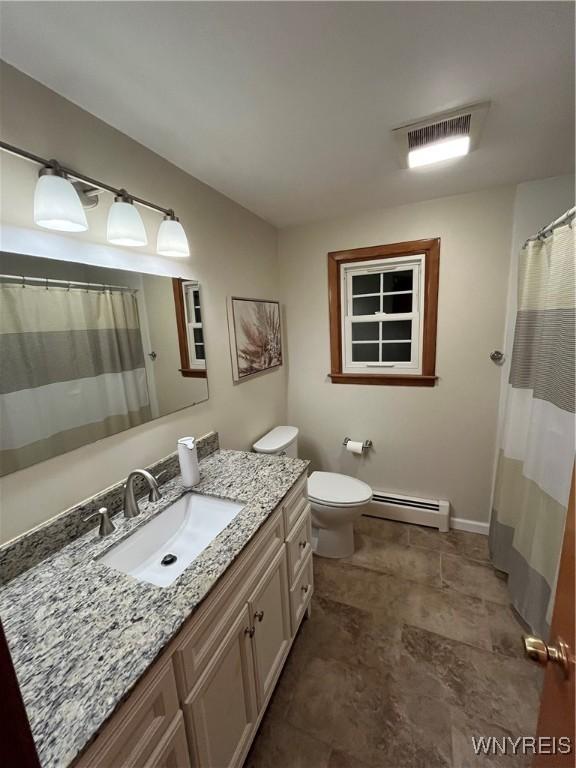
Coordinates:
(537, 450)
(72, 369)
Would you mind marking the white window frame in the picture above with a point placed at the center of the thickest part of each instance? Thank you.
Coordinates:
(194, 362)
(349, 270)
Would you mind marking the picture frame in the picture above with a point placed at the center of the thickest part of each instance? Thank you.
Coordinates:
(255, 336)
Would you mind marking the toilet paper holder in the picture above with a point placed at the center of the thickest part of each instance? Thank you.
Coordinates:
(365, 445)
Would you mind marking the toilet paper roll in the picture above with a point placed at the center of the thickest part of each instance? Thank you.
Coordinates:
(353, 446)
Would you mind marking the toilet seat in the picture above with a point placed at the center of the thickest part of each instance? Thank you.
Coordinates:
(335, 490)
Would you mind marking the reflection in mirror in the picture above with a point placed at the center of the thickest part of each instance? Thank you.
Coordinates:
(86, 352)
(190, 328)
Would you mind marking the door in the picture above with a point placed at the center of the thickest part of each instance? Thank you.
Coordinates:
(221, 710)
(557, 705)
(270, 616)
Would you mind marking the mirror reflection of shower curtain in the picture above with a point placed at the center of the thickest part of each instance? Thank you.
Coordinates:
(537, 450)
(72, 369)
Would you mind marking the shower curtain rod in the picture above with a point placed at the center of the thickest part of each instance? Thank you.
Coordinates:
(49, 281)
(566, 217)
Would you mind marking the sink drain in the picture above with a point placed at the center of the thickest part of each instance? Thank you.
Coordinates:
(168, 559)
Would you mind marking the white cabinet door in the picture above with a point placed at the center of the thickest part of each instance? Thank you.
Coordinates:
(221, 710)
(270, 616)
(172, 751)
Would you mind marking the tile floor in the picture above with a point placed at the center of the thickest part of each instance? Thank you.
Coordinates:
(411, 649)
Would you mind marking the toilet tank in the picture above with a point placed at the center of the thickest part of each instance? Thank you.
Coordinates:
(282, 441)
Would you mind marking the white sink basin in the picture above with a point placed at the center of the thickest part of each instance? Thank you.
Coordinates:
(177, 535)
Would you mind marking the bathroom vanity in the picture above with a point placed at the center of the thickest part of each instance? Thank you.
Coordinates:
(116, 671)
(201, 702)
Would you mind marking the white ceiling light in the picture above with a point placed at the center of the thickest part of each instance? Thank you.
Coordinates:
(56, 202)
(441, 137)
(172, 240)
(440, 150)
(125, 225)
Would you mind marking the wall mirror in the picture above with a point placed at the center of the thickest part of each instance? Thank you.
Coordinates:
(89, 351)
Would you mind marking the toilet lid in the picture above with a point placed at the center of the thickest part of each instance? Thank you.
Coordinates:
(276, 440)
(337, 490)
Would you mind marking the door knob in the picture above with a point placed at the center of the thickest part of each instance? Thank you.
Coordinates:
(540, 652)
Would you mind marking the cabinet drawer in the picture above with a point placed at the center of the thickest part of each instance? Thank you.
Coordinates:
(172, 752)
(299, 544)
(133, 734)
(301, 594)
(294, 504)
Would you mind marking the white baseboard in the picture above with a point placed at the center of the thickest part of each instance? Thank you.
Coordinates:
(472, 526)
(434, 518)
(434, 513)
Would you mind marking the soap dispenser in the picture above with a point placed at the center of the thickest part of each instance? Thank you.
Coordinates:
(188, 458)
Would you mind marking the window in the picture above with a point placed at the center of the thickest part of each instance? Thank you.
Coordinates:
(190, 328)
(383, 306)
(195, 333)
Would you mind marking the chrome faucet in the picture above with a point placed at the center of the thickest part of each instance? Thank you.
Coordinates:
(131, 508)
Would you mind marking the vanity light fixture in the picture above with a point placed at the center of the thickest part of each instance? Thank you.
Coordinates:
(125, 225)
(56, 202)
(59, 203)
(172, 240)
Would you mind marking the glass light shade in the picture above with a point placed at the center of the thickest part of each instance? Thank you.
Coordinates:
(125, 226)
(172, 240)
(57, 205)
(441, 150)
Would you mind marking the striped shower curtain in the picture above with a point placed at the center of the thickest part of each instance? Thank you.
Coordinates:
(537, 451)
(71, 369)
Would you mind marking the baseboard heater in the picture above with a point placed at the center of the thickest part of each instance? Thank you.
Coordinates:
(409, 509)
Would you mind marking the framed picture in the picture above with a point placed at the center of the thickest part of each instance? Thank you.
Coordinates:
(255, 340)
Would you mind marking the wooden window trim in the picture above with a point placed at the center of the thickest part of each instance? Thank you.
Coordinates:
(431, 250)
(185, 370)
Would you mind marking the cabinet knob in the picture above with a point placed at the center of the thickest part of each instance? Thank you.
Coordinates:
(306, 588)
(302, 544)
(249, 631)
(259, 615)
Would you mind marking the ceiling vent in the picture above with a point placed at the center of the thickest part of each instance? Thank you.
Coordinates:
(440, 137)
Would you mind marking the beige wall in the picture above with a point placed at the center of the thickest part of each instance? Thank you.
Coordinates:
(438, 442)
(233, 252)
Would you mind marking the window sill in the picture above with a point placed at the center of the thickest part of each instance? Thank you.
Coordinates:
(387, 379)
(192, 373)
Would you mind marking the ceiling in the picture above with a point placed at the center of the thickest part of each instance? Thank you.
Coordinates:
(287, 107)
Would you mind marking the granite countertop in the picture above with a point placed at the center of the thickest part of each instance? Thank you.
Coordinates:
(81, 634)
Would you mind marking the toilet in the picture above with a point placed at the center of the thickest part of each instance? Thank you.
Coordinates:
(336, 500)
